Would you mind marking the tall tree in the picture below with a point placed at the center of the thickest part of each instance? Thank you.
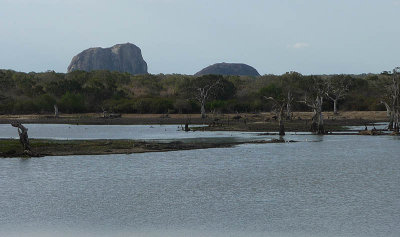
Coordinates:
(391, 99)
(337, 88)
(289, 82)
(314, 91)
(388, 88)
(279, 101)
(203, 89)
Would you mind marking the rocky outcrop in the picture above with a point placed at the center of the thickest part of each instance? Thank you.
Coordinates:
(121, 57)
(235, 69)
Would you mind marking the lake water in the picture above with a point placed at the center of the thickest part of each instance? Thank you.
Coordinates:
(320, 186)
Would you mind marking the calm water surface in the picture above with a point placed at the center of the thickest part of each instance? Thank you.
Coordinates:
(147, 132)
(321, 186)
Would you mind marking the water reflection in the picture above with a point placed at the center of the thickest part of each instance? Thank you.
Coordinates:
(333, 186)
(159, 133)
(65, 131)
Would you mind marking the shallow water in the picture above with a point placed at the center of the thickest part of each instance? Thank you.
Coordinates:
(332, 186)
(159, 133)
(143, 132)
(381, 125)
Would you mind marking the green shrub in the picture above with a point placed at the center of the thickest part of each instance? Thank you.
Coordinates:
(72, 103)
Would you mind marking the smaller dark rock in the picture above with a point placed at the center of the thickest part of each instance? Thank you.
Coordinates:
(231, 69)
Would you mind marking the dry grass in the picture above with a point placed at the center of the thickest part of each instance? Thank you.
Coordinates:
(365, 115)
(95, 118)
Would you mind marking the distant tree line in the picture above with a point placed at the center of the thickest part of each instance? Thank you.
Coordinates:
(81, 92)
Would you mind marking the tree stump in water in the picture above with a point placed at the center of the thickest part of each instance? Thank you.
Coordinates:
(187, 129)
(23, 137)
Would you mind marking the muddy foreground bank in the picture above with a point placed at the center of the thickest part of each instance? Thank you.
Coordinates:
(43, 147)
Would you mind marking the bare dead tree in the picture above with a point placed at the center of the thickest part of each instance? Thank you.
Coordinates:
(203, 88)
(391, 100)
(279, 108)
(56, 111)
(395, 91)
(203, 94)
(288, 84)
(314, 99)
(23, 136)
(289, 112)
(277, 93)
(337, 88)
(389, 113)
(315, 104)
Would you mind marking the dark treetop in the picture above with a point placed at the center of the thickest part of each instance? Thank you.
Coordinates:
(121, 57)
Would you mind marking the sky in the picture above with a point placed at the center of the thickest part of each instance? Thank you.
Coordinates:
(184, 36)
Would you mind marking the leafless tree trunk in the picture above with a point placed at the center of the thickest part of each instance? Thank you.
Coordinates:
(390, 114)
(335, 106)
(392, 100)
(203, 108)
(289, 82)
(317, 125)
(203, 93)
(336, 89)
(279, 108)
(314, 123)
(396, 99)
(315, 90)
(56, 111)
(23, 136)
(280, 120)
(289, 113)
(318, 115)
(320, 120)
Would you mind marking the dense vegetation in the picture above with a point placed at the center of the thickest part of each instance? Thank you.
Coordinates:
(80, 91)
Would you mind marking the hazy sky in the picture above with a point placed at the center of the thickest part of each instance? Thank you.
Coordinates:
(183, 36)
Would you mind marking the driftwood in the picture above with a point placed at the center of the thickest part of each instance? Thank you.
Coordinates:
(23, 137)
(111, 115)
(108, 115)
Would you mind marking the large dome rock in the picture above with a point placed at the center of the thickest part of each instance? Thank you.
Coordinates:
(121, 57)
(232, 69)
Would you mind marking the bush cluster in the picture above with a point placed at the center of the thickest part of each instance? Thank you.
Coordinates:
(79, 92)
